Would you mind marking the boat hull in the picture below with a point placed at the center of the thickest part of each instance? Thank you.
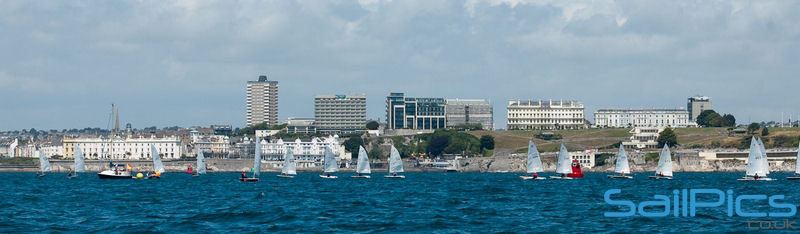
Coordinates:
(531, 178)
(395, 177)
(328, 177)
(661, 177)
(620, 177)
(285, 176)
(560, 178)
(361, 176)
(754, 179)
(113, 175)
(793, 178)
(248, 179)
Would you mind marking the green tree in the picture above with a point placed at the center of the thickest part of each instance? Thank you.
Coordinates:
(352, 144)
(372, 125)
(753, 127)
(437, 145)
(765, 131)
(729, 120)
(667, 137)
(487, 142)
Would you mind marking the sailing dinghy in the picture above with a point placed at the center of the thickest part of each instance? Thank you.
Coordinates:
(664, 168)
(79, 163)
(563, 167)
(757, 169)
(289, 169)
(621, 166)
(256, 165)
(362, 167)
(201, 164)
(534, 165)
(44, 164)
(395, 165)
(330, 164)
(796, 167)
(158, 166)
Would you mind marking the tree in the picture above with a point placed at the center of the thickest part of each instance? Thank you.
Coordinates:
(352, 144)
(730, 120)
(487, 142)
(372, 125)
(437, 145)
(667, 137)
(753, 127)
(702, 118)
(764, 131)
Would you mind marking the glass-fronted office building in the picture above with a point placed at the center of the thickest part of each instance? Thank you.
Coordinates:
(414, 113)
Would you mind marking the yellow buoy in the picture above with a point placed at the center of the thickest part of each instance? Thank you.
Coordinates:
(139, 175)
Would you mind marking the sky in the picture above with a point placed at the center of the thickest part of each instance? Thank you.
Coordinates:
(186, 63)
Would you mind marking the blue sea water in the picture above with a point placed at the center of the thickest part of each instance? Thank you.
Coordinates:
(423, 202)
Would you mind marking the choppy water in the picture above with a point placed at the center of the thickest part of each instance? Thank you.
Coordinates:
(423, 202)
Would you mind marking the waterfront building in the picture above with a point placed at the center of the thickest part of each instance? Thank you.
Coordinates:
(127, 148)
(52, 149)
(305, 151)
(213, 145)
(697, 105)
(414, 113)
(627, 118)
(262, 101)
(643, 137)
(469, 111)
(545, 115)
(224, 130)
(299, 125)
(7, 147)
(335, 114)
(586, 157)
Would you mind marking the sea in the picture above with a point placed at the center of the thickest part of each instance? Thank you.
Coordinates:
(422, 202)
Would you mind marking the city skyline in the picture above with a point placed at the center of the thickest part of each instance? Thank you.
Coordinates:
(186, 64)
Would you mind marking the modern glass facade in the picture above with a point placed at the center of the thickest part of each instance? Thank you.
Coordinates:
(414, 113)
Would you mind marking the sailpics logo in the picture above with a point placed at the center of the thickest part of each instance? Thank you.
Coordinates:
(685, 203)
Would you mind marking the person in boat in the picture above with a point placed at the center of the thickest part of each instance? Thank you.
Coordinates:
(329, 174)
(395, 174)
(661, 174)
(535, 175)
(244, 175)
(755, 177)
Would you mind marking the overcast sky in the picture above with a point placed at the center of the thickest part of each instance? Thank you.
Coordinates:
(186, 63)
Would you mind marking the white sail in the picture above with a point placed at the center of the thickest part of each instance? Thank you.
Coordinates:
(754, 161)
(395, 162)
(330, 161)
(622, 161)
(665, 162)
(797, 161)
(363, 161)
(201, 162)
(534, 161)
(764, 162)
(564, 165)
(257, 159)
(157, 165)
(79, 162)
(289, 165)
(44, 164)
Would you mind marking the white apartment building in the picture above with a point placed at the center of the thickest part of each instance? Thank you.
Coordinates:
(586, 157)
(128, 148)
(214, 144)
(308, 151)
(628, 118)
(643, 137)
(545, 114)
(340, 113)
